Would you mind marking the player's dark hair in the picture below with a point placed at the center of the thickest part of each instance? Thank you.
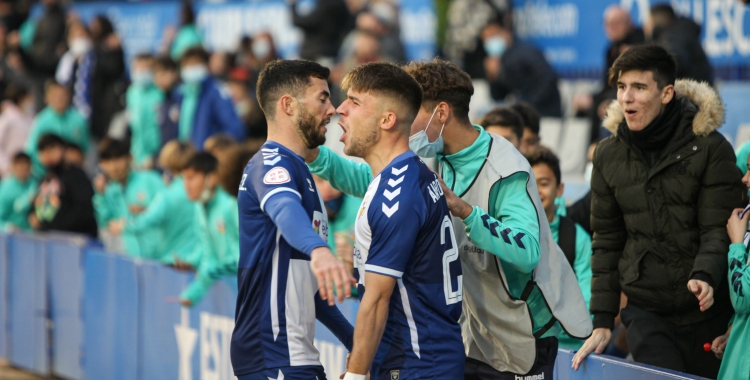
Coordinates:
(504, 117)
(442, 81)
(389, 80)
(48, 141)
(203, 162)
(545, 156)
(282, 77)
(111, 149)
(529, 116)
(21, 157)
(646, 58)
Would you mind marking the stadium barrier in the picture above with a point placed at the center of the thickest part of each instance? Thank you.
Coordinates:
(70, 309)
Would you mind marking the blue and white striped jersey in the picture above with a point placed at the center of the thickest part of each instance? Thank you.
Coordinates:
(404, 230)
(278, 299)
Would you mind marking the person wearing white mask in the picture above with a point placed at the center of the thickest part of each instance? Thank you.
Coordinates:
(142, 100)
(91, 72)
(263, 51)
(206, 107)
(520, 69)
(518, 287)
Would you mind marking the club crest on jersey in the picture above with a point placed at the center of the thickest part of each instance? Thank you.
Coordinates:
(276, 176)
(395, 374)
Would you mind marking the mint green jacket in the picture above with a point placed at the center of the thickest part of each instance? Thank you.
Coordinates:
(187, 36)
(143, 106)
(220, 238)
(736, 362)
(510, 209)
(71, 126)
(15, 201)
(172, 213)
(115, 202)
(582, 269)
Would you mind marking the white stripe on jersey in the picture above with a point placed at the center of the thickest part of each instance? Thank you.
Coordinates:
(409, 318)
(300, 305)
(275, 287)
(383, 270)
(276, 191)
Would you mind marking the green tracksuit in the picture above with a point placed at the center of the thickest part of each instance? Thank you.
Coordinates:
(736, 362)
(220, 239)
(115, 202)
(511, 209)
(142, 104)
(71, 126)
(174, 215)
(15, 201)
(582, 268)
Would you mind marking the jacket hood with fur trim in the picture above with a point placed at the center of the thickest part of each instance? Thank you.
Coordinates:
(710, 114)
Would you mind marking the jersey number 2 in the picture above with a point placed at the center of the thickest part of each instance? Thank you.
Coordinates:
(450, 256)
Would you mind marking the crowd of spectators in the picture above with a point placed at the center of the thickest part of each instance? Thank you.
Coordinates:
(164, 187)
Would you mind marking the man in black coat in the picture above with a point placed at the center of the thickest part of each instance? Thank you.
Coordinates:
(323, 28)
(64, 199)
(662, 189)
(517, 68)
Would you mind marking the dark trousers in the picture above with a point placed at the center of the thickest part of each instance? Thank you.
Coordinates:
(656, 342)
(544, 365)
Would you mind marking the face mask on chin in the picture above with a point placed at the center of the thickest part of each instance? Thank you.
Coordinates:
(421, 145)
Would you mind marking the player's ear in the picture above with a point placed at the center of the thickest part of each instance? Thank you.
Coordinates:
(287, 104)
(389, 121)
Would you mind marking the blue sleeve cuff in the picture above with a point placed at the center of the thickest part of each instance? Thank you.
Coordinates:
(286, 211)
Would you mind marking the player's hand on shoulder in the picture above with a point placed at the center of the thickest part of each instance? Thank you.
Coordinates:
(457, 206)
(330, 273)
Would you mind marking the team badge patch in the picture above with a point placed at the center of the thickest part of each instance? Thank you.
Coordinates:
(395, 374)
(276, 176)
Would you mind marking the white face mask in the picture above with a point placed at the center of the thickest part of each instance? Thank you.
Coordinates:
(421, 145)
(261, 48)
(80, 46)
(194, 74)
(495, 46)
(206, 194)
(142, 78)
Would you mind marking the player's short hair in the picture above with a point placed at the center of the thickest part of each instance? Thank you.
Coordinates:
(529, 116)
(111, 149)
(203, 162)
(282, 77)
(175, 155)
(48, 141)
(504, 117)
(219, 141)
(646, 58)
(442, 81)
(165, 63)
(196, 52)
(545, 156)
(21, 157)
(388, 80)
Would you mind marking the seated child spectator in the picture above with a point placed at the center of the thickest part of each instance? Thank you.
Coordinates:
(17, 191)
(530, 117)
(143, 100)
(504, 122)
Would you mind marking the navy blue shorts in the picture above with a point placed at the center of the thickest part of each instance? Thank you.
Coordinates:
(308, 372)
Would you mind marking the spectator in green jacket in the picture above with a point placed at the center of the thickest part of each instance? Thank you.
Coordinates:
(122, 193)
(569, 236)
(187, 36)
(143, 100)
(17, 191)
(171, 212)
(218, 219)
(504, 122)
(60, 119)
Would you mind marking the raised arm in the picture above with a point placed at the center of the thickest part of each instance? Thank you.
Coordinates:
(347, 176)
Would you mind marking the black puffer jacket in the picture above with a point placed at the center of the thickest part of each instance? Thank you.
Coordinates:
(656, 227)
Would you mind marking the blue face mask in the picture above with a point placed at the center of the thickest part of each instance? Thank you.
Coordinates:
(194, 74)
(142, 78)
(495, 46)
(421, 145)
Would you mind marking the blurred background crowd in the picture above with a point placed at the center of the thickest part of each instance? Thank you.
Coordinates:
(144, 150)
